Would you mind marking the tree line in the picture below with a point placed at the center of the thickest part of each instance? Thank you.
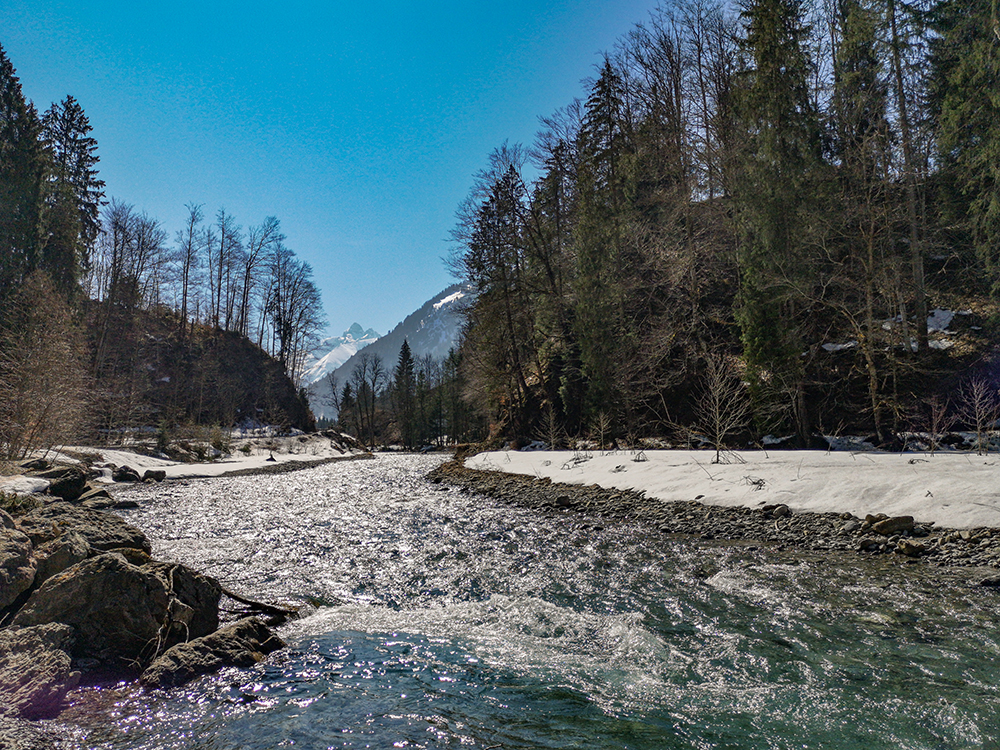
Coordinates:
(741, 185)
(98, 310)
(418, 402)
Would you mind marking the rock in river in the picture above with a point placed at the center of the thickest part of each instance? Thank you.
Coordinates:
(116, 609)
(55, 556)
(242, 644)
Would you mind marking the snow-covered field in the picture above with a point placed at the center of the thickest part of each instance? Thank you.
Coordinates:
(956, 490)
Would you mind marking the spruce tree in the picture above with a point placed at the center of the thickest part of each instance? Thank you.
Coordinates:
(22, 174)
(966, 62)
(605, 200)
(66, 132)
(403, 395)
(777, 173)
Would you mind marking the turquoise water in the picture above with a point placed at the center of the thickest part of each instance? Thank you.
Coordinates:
(437, 619)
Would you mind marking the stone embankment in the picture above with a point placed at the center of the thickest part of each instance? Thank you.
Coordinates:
(81, 600)
(773, 525)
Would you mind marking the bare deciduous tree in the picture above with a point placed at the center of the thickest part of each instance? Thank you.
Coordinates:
(723, 406)
(42, 371)
(980, 409)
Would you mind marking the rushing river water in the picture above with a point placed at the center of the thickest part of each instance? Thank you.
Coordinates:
(434, 619)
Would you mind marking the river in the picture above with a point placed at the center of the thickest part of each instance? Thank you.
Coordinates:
(438, 619)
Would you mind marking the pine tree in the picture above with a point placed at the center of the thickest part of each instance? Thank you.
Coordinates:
(606, 196)
(494, 262)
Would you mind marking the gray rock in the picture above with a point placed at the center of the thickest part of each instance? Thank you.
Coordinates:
(890, 526)
(116, 608)
(108, 503)
(36, 669)
(17, 569)
(155, 475)
(125, 474)
(21, 734)
(910, 549)
(242, 644)
(68, 482)
(92, 493)
(6, 520)
(103, 531)
(54, 557)
(199, 592)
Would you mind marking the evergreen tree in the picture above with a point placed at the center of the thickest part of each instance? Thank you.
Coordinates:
(494, 263)
(606, 195)
(967, 95)
(22, 175)
(66, 132)
(776, 177)
(403, 395)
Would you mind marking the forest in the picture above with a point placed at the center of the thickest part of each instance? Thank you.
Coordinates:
(752, 224)
(743, 229)
(107, 326)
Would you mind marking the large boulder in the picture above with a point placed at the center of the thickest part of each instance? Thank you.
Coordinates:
(17, 569)
(55, 556)
(103, 531)
(199, 592)
(116, 609)
(242, 644)
(35, 669)
(67, 482)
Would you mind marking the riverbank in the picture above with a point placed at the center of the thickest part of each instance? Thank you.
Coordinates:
(785, 524)
(82, 601)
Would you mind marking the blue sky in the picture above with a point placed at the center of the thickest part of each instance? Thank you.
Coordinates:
(360, 127)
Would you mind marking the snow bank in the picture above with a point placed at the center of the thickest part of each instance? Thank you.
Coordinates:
(952, 490)
(258, 455)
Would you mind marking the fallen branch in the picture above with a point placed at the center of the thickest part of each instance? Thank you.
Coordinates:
(276, 615)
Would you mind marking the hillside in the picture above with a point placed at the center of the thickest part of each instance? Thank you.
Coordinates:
(148, 372)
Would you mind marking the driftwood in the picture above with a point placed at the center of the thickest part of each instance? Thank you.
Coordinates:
(273, 614)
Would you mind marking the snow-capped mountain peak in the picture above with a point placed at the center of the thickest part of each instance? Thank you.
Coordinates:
(332, 352)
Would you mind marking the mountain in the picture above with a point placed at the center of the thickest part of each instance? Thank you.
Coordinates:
(334, 351)
(434, 329)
